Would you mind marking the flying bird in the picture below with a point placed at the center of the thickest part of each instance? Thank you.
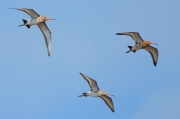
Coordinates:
(96, 92)
(36, 19)
(141, 44)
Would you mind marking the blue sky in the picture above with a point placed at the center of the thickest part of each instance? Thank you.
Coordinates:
(35, 86)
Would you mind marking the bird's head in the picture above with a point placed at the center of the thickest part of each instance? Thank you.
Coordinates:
(106, 93)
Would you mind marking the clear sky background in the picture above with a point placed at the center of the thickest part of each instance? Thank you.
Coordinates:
(35, 86)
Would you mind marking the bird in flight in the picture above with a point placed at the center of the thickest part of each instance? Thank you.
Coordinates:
(38, 20)
(141, 44)
(96, 92)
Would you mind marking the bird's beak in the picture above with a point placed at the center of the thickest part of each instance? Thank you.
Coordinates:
(51, 19)
(110, 95)
(154, 43)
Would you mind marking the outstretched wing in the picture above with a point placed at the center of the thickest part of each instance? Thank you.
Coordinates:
(92, 83)
(30, 12)
(154, 54)
(47, 35)
(135, 36)
(108, 101)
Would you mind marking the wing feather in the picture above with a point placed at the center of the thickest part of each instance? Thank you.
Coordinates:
(30, 12)
(108, 102)
(154, 54)
(135, 36)
(92, 83)
(47, 35)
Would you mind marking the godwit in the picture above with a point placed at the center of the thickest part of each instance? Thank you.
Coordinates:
(96, 92)
(141, 44)
(36, 19)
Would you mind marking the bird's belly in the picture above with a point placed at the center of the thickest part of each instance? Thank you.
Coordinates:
(137, 47)
(93, 94)
(32, 22)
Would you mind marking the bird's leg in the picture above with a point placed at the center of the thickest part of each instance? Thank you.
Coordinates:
(84, 94)
(21, 25)
(131, 50)
(128, 51)
(25, 23)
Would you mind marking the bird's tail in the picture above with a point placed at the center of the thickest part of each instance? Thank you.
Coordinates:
(130, 47)
(84, 94)
(25, 22)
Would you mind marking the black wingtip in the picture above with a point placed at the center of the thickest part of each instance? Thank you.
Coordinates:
(155, 63)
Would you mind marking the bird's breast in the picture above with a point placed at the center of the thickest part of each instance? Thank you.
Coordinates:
(40, 19)
(144, 44)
